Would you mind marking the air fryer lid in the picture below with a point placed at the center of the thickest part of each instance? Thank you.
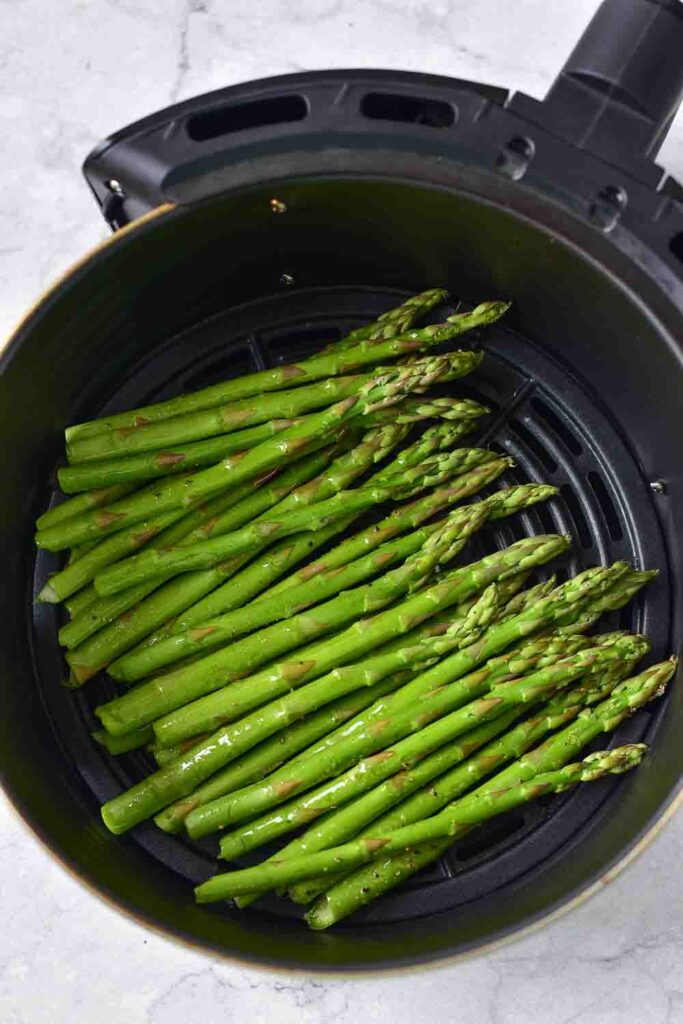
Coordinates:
(574, 376)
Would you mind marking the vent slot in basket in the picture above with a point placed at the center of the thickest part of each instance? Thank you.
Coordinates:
(386, 106)
(212, 124)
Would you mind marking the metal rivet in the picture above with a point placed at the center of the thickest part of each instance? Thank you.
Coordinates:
(115, 186)
(514, 159)
(607, 207)
(277, 206)
(287, 279)
(658, 487)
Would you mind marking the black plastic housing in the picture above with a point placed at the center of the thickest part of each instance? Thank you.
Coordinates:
(389, 183)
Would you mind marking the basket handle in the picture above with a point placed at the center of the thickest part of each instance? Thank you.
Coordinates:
(623, 83)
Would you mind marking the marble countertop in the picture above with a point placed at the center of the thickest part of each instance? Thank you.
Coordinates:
(71, 72)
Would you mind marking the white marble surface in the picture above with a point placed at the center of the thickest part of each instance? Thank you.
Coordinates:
(71, 71)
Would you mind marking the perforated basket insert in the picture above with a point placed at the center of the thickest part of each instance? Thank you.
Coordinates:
(557, 432)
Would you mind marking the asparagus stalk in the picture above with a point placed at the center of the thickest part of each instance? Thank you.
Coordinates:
(218, 420)
(294, 487)
(223, 512)
(194, 685)
(235, 470)
(165, 462)
(257, 576)
(276, 873)
(214, 633)
(393, 322)
(319, 367)
(82, 503)
(455, 767)
(265, 416)
(80, 601)
(171, 691)
(421, 646)
(564, 604)
(273, 752)
(78, 573)
(370, 758)
(364, 885)
(248, 732)
(324, 725)
(205, 513)
(123, 744)
(158, 563)
(170, 784)
(615, 597)
(460, 413)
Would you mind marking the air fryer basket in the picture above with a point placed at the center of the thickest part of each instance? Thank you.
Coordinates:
(584, 378)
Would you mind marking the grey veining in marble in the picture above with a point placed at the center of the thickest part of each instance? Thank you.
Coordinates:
(72, 71)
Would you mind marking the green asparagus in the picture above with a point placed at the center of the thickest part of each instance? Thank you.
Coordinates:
(393, 322)
(379, 758)
(447, 773)
(318, 367)
(276, 873)
(364, 885)
(213, 633)
(170, 784)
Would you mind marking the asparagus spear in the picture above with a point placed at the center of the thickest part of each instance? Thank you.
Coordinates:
(481, 753)
(233, 471)
(379, 757)
(168, 692)
(194, 685)
(123, 744)
(397, 522)
(82, 503)
(276, 873)
(324, 723)
(228, 510)
(94, 614)
(393, 322)
(520, 661)
(84, 598)
(294, 487)
(461, 413)
(319, 367)
(365, 885)
(271, 413)
(214, 633)
(273, 752)
(77, 574)
(156, 563)
(123, 634)
(421, 646)
(165, 462)
(220, 419)
(170, 784)
(565, 603)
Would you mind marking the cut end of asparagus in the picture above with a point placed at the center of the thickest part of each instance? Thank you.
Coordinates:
(48, 595)
(320, 916)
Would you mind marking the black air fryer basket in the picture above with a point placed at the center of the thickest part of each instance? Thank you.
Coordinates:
(251, 225)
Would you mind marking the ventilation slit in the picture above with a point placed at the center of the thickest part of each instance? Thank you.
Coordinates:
(609, 512)
(212, 124)
(487, 836)
(558, 426)
(385, 106)
(535, 446)
(577, 515)
(235, 365)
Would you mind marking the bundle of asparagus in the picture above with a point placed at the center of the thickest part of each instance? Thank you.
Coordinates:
(360, 687)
